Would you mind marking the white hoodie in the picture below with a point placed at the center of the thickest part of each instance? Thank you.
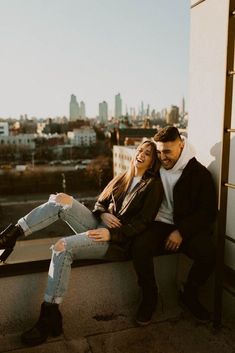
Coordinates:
(169, 178)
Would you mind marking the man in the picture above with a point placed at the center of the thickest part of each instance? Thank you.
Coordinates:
(184, 223)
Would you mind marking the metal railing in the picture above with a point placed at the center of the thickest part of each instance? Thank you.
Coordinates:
(220, 283)
(197, 3)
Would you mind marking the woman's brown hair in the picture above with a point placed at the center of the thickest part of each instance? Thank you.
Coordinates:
(120, 184)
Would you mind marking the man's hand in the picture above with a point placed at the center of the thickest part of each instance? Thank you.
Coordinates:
(99, 234)
(174, 241)
(110, 220)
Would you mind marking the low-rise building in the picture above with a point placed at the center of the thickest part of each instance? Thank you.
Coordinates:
(134, 133)
(4, 128)
(82, 137)
(20, 140)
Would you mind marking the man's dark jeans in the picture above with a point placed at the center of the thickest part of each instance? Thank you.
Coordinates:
(150, 243)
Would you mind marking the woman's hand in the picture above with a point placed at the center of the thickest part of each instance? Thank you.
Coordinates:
(64, 199)
(110, 220)
(99, 234)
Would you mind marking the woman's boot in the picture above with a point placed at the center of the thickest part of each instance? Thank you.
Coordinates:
(8, 239)
(48, 324)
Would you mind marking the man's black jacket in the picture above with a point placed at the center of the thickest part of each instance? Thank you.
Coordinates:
(195, 201)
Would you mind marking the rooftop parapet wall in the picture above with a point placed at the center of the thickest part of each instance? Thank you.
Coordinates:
(97, 294)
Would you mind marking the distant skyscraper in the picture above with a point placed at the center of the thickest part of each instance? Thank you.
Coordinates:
(103, 112)
(118, 106)
(164, 114)
(142, 109)
(73, 108)
(133, 113)
(148, 110)
(172, 115)
(182, 112)
(126, 110)
(82, 111)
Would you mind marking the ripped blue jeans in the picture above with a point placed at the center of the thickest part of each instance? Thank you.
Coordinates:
(77, 216)
(78, 246)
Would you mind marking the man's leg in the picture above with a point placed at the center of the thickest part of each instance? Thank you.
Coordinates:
(144, 247)
(201, 250)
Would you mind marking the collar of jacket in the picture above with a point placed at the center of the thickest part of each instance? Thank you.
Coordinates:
(131, 195)
(189, 168)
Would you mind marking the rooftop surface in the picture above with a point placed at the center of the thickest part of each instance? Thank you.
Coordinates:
(181, 334)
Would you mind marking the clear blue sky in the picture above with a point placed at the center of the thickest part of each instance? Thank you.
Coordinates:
(94, 49)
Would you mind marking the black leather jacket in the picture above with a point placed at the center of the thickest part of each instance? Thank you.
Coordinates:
(135, 211)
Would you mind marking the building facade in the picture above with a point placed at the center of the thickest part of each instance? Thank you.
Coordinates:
(209, 24)
(73, 108)
(118, 106)
(4, 128)
(172, 116)
(82, 110)
(122, 156)
(211, 116)
(20, 140)
(103, 112)
(82, 137)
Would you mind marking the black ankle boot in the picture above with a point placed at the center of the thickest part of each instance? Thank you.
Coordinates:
(8, 239)
(147, 305)
(188, 298)
(48, 324)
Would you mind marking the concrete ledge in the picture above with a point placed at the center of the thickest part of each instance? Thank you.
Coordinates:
(100, 297)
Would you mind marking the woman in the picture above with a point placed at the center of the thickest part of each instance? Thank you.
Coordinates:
(123, 210)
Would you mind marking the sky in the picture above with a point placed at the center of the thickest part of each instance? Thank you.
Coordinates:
(94, 49)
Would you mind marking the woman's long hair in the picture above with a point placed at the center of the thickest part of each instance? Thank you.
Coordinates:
(120, 184)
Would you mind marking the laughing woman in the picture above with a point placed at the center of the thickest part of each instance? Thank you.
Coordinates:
(123, 210)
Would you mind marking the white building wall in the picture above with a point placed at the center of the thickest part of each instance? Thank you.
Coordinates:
(208, 55)
(20, 140)
(122, 156)
(4, 128)
(82, 137)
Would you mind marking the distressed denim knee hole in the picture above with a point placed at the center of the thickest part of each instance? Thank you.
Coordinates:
(59, 246)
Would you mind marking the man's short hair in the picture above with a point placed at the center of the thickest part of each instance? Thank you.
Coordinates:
(166, 134)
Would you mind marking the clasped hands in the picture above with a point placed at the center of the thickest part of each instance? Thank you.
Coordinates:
(173, 241)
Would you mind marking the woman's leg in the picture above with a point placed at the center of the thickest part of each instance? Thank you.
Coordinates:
(78, 246)
(77, 216)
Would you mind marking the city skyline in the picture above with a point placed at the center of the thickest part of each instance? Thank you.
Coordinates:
(93, 50)
(77, 111)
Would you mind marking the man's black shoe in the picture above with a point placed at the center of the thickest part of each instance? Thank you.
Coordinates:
(188, 299)
(147, 307)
